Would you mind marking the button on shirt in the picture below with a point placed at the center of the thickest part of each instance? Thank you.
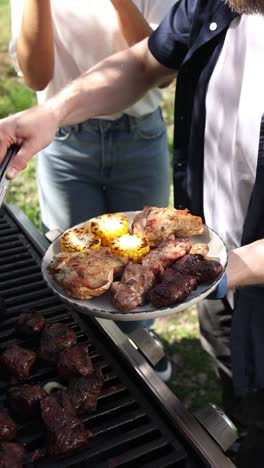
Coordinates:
(234, 106)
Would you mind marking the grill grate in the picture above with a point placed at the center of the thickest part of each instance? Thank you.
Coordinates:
(127, 429)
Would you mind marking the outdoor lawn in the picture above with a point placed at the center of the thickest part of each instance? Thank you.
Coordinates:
(193, 381)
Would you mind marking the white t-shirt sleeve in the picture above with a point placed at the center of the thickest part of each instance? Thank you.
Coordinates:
(154, 10)
(16, 9)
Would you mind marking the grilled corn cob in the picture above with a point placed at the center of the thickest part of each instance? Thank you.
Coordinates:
(131, 246)
(79, 240)
(109, 226)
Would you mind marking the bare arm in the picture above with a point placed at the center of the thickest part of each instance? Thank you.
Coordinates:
(246, 265)
(132, 23)
(109, 87)
(35, 51)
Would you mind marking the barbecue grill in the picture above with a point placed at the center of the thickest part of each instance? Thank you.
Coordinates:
(139, 422)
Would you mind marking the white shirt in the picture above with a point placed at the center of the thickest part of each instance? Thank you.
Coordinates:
(85, 32)
(234, 107)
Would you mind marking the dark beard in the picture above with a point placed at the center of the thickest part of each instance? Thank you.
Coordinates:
(246, 6)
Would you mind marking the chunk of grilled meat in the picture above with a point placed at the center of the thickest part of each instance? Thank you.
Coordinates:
(75, 362)
(156, 224)
(65, 432)
(30, 324)
(24, 401)
(130, 292)
(165, 254)
(84, 275)
(174, 288)
(7, 426)
(55, 338)
(12, 455)
(200, 248)
(84, 391)
(196, 265)
(18, 361)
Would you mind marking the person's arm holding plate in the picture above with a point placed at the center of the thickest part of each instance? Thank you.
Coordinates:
(245, 267)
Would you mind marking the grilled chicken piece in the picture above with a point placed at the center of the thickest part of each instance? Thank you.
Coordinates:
(7, 426)
(84, 391)
(196, 265)
(75, 362)
(65, 432)
(131, 291)
(199, 248)
(174, 288)
(157, 224)
(165, 254)
(84, 275)
(23, 401)
(18, 361)
(12, 455)
(55, 338)
(30, 324)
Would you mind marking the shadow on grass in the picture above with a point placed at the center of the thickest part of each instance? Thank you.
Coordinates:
(194, 380)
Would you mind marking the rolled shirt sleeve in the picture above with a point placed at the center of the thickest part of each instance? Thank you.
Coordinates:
(169, 43)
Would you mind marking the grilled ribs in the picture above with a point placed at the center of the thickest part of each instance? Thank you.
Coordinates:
(196, 265)
(157, 224)
(65, 432)
(24, 401)
(174, 287)
(84, 275)
(84, 392)
(30, 324)
(7, 427)
(75, 362)
(18, 361)
(55, 338)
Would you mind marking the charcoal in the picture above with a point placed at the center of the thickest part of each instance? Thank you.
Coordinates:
(18, 361)
(12, 455)
(24, 401)
(174, 288)
(84, 392)
(7, 427)
(55, 338)
(65, 432)
(196, 265)
(30, 324)
(75, 362)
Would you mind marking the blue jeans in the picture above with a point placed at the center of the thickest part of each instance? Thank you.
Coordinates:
(102, 166)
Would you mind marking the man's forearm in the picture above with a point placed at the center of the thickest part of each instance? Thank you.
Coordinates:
(35, 50)
(246, 265)
(109, 87)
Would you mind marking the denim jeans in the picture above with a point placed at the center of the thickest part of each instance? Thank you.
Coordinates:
(102, 166)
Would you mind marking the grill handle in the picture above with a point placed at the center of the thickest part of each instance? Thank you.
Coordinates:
(218, 425)
(52, 235)
(147, 344)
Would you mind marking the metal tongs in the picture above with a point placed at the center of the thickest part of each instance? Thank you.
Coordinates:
(4, 181)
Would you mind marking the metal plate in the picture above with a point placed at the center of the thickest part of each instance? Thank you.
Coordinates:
(102, 307)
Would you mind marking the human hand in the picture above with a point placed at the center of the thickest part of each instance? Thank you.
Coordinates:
(32, 130)
(246, 265)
